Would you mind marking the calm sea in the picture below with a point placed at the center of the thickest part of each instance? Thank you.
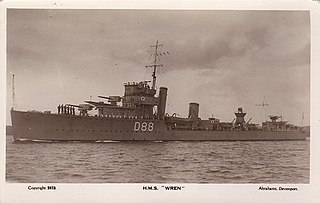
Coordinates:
(158, 162)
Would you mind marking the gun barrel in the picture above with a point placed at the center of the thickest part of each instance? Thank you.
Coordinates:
(104, 97)
(73, 105)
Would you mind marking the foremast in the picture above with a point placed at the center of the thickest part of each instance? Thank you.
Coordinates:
(155, 65)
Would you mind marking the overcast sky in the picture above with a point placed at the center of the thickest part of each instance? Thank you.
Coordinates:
(220, 59)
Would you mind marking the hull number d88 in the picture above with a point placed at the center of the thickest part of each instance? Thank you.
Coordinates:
(143, 126)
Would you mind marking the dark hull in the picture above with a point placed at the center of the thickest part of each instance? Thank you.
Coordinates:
(38, 126)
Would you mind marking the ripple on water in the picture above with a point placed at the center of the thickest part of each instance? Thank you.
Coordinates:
(131, 162)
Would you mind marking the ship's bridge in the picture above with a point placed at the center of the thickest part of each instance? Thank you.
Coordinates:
(138, 88)
(139, 94)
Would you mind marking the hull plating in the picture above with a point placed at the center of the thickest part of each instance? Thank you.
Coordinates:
(36, 126)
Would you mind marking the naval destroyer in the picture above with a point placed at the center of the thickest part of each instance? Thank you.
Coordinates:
(140, 115)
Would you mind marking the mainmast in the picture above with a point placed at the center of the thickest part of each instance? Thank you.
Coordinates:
(155, 65)
(263, 104)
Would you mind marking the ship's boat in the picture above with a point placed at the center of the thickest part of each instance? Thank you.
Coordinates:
(140, 114)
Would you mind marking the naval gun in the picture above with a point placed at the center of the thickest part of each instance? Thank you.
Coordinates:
(275, 125)
(274, 118)
(83, 108)
(113, 100)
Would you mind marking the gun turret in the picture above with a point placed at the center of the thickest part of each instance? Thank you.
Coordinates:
(112, 99)
(274, 118)
(87, 107)
(82, 108)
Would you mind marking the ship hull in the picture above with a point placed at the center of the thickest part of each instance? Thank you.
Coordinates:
(39, 126)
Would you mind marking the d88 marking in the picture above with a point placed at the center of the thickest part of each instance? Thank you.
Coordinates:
(150, 126)
(143, 126)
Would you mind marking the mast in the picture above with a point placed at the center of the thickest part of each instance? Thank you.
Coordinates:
(13, 93)
(155, 65)
(302, 119)
(263, 104)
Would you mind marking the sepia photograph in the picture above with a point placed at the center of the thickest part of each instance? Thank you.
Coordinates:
(158, 96)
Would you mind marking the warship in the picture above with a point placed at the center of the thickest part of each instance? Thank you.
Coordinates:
(140, 115)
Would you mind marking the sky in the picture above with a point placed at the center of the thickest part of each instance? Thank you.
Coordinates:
(220, 59)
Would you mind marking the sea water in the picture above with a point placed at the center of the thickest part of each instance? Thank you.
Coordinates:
(158, 162)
